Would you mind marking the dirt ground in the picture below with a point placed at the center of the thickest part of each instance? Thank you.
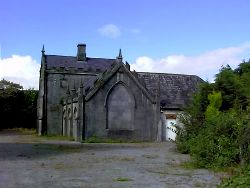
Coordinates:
(30, 161)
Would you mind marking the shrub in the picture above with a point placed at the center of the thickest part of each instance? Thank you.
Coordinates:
(242, 179)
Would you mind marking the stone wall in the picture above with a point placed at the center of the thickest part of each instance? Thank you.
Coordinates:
(73, 116)
(57, 85)
(121, 109)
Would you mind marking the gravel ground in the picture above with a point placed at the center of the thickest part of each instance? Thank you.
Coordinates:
(30, 161)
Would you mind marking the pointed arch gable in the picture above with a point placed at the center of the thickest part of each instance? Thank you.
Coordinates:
(112, 88)
(120, 107)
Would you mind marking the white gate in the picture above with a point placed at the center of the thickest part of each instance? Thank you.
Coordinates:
(171, 129)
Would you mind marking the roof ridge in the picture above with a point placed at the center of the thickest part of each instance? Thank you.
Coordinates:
(102, 78)
(60, 55)
(75, 57)
(101, 58)
(168, 73)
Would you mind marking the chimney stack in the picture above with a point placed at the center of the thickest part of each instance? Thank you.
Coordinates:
(81, 52)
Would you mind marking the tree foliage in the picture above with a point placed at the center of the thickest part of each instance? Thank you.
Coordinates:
(17, 106)
(216, 125)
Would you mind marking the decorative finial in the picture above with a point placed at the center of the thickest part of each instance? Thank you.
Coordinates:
(120, 55)
(43, 49)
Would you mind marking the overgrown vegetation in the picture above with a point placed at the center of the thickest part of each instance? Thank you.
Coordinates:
(240, 180)
(216, 128)
(17, 106)
(57, 137)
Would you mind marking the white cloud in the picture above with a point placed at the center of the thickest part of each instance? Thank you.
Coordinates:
(25, 70)
(110, 31)
(205, 65)
(20, 69)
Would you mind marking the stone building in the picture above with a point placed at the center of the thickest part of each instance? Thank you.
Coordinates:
(82, 97)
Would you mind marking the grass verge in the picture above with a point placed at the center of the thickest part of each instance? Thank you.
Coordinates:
(241, 179)
(95, 139)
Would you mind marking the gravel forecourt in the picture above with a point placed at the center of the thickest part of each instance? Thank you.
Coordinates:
(29, 161)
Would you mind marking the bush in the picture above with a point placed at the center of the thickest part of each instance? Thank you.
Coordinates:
(242, 179)
(215, 144)
(216, 125)
(244, 143)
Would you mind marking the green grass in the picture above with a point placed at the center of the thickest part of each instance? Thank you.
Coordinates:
(150, 156)
(241, 179)
(190, 165)
(58, 148)
(56, 137)
(95, 139)
(123, 179)
(236, 176)
(59, 166)
(23, 130)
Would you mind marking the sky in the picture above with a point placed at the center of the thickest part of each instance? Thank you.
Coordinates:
(169, 36)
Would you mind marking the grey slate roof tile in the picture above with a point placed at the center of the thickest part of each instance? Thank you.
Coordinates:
(94, 64)
(176, 90)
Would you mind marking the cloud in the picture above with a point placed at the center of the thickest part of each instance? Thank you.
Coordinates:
(205, 65)
(20, 69)
(25, 70)
(110, 31)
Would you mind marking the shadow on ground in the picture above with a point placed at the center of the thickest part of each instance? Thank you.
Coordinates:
(17, 145)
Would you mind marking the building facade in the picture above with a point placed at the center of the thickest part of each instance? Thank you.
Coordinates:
(82, 97)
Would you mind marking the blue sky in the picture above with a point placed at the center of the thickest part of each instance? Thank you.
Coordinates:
(176, 36)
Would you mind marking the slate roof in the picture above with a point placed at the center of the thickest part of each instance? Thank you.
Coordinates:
(90, 83)
(91, 64)
(176, 90)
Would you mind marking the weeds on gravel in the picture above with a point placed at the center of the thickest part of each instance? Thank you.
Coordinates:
(57, 137)
(95, 139)
(58, 148)
(189, 165)
(123, 179)
(64, 148)
(59, 166)
(241, 179)
(150, 156)
(23, 130)
(120, 158)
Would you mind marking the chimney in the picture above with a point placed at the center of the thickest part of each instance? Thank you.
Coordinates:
(81, 52)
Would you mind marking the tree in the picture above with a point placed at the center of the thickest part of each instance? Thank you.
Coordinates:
(17, 106)
(4, 84)
(217, 123)
(231, 88)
